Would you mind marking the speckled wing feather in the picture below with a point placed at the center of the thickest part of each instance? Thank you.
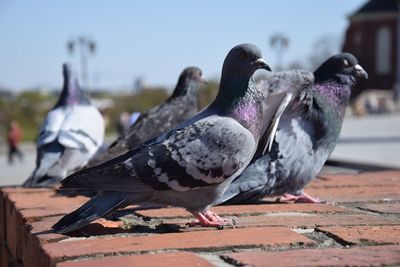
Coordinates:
(202, 154)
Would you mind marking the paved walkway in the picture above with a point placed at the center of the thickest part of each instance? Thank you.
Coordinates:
(370, 140)
(363, 229)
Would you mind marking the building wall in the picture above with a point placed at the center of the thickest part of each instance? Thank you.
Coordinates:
(361, 40)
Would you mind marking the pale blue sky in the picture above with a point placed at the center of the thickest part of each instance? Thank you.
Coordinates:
(155, 39)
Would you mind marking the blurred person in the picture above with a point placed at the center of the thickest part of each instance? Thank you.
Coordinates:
(13, 140)
(123, 123)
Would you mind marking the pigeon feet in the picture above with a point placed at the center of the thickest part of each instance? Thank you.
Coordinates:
(303, 198)
(209, 219)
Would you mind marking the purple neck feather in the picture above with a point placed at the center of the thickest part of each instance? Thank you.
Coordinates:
(335, 94)
(248, 114)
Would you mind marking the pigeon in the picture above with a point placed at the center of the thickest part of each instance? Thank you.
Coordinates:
(191, 165)
(71, 134)
(306, 135)
(181, 105)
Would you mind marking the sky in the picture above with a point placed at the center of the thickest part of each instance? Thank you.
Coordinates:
(154, 39)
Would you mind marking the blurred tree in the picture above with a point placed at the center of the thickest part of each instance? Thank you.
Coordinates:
(323, 48)
(85, 46)
(279, 42)
(296, 65)
(141, 101)
(31, 107)
(207, 93)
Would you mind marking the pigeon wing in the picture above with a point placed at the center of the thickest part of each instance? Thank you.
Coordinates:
(279, 90)
(82, 129)
(51, 126)
(202, 154)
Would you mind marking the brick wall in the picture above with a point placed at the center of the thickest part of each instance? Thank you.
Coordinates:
(362, 229)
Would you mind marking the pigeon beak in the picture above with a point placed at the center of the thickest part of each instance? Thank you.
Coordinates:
(360, 72)
(203, 81)
(262, 64)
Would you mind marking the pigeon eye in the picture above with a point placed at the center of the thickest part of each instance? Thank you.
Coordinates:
(345, 62)
(243, 55)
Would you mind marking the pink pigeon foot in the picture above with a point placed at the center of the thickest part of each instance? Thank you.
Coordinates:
(209, 219)
(303, 198)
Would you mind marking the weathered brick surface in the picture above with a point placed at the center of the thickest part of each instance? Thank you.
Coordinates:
(383, 208)
(207, 240)
(2, 217)
(370, 179)
(18, 206)
(245, 210)
(364, 256)
(356, 193)
(45, 199)
(373, 219)
(303, 220)
(4, 255)
(148, 260)
(365, 234)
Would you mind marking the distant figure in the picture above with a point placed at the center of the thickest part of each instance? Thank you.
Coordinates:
(123, 123)
(134, 117)
(13, 139)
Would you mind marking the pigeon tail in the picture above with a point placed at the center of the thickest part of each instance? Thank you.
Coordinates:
(99, 206)
(43, 181)
(40, 176)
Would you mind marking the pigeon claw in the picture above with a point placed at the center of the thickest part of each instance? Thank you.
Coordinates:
(209, 219)
(303, 198)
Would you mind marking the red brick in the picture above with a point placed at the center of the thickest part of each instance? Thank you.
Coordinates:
(207, 240)
(4, 255)
(38, 233)
(383, 208)
(302, 220)
(25, 200)
(364, 256)
(2, 217)
(148, 260)
(244, 210)
(34, 236)
(35, 214)
(19, 201)
(8, 190)
(315, 220)
(365, 234)
(13, 230)
(355, 194)
(372, 179)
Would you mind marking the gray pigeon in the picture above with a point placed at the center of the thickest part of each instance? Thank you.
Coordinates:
(71, 134)
(181, 105)
(306, 136)
(191, 165)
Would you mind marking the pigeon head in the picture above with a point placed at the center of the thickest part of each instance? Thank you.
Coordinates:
(237, 94)
(342, 67)
(239, 66)
(191, 74)
(188, 82)
(244, 60)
